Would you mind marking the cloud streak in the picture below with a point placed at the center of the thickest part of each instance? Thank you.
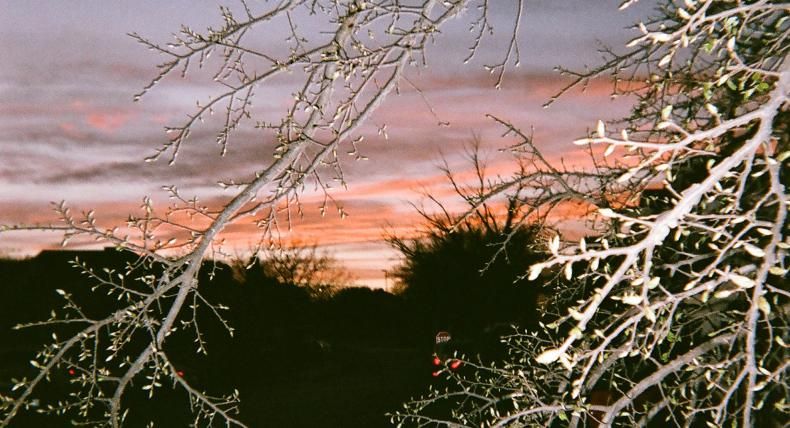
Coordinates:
(68, 129)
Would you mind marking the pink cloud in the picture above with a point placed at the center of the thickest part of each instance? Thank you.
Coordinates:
(107, 121)
(70, 130)
(378, 189)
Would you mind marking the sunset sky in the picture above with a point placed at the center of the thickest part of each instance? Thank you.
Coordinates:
(70, 131)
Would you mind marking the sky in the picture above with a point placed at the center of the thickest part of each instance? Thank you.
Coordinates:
(69, 129)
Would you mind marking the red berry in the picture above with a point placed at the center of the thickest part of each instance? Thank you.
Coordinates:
(436, 361)
(455, 364)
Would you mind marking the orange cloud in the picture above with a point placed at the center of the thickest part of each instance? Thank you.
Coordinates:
(379, 190)
(107, 121)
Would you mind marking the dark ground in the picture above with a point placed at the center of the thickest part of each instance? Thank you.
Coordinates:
(297, 362)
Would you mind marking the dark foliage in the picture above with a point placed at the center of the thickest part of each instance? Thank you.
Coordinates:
(455, 281)
(297, 360)
(466, 273)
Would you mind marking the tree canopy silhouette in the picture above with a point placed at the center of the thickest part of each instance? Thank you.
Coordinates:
(465, 272)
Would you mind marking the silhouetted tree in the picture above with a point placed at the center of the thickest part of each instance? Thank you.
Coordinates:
(465, 273)
(305, 266)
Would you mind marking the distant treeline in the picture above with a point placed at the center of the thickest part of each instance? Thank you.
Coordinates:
(340, 360)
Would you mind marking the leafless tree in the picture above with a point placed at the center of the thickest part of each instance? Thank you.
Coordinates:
(343, 76)
(304, 266)
(679, 314)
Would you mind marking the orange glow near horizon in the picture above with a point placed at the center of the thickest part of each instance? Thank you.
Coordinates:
(379, 190)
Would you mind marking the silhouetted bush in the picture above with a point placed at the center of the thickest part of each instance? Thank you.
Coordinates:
(455, 281)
